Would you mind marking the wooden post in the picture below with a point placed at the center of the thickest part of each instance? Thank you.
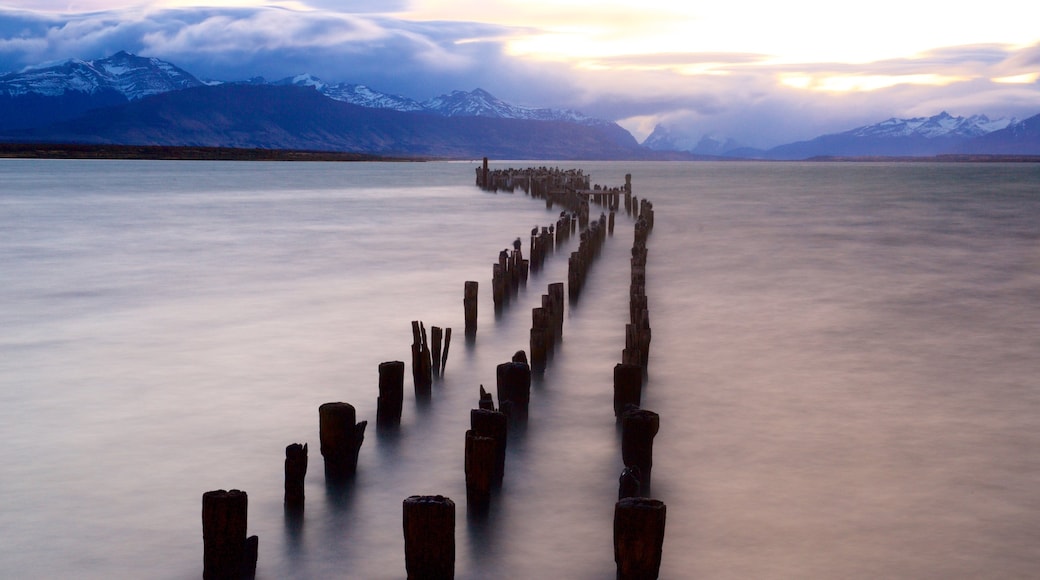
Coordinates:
(422, 366)
(638, 428)
(469, 305)
(638, 537)
(539, 341)
(391, 393)
(628, 386)
(486, 402)
(227, 553)
(628, 483)
(341, 439)
(295, 472)
(447, 345)
(436, 336)
(429, 537)
(514, 390)
(480, 462)
(493, 424)
(556, 294)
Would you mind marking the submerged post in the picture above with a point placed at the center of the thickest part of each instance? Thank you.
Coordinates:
(514, 390)
(638, 537)
(429, 537)
(341, 439)
(227, 553)
(391, 393)
(295, 472)
(638, 428)
(628, 386)
(469, 304)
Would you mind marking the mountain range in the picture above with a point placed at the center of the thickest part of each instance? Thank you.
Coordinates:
(134, 100)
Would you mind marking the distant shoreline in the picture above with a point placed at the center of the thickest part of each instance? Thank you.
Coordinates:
(191, 153)
(179, 153)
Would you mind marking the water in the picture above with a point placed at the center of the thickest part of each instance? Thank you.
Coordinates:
(844, 360)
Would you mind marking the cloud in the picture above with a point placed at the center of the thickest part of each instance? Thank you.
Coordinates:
(744, 95)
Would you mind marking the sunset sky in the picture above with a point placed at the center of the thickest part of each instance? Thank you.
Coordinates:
(760, 72)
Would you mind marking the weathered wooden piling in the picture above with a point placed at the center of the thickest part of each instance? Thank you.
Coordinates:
(628, 483)
(227, 553)
(493, 424)
(486, 401)
(514, 390)
(556, 295)
(469, 306)
(638, 428)
(429, 537)
(540, 338)
(638, 537)
(341, 439)
(447, 345)
(391, 394)
(628, 387)
(422, 365)
(480, 466)
(436, 336)
(295, 473)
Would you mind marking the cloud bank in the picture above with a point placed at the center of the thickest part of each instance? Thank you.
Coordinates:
(750, 96)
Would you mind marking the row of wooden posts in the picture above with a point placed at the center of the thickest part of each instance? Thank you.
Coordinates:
(429, 521)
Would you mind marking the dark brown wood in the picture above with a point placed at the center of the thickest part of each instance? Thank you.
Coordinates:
(638, 428)
(295, 473)
(486, 401)
(638, 537)
(469, 305)
(341, 439)
(628, 483)
(628, 387)
(480, 464)
(227, 553)
(436, 337)
(422, 365)
(447, 345)
(493, 424)
(514, 390)
(429, 537)
(391, 393)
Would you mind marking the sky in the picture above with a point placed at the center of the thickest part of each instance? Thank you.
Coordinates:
(759, 72)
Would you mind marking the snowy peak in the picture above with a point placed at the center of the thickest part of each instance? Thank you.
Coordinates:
(132, 76)
(475, 103)
(942, 125)
(354, 94)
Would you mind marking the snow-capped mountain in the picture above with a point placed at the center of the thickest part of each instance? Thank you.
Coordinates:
(916, 137)
(941, 125)
(355, 94)
(664, 139)
(132, 76)
(475, 103)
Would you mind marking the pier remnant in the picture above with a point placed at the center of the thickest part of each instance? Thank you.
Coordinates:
(638, 428)
(227, 553)
(628, 386)
(514, 390)
(391, 394)
(638, 537)
(628, 483)
(493, 424)
(469, 305)
(480, 463)
(341, 439)
(422, 364)
(429, 537)
(295, 472)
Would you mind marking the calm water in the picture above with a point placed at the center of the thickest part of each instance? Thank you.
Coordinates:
(844, 359)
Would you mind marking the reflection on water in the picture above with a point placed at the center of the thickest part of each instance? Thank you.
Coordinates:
(843, 360)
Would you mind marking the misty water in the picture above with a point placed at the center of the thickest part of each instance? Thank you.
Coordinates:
(844, 360)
